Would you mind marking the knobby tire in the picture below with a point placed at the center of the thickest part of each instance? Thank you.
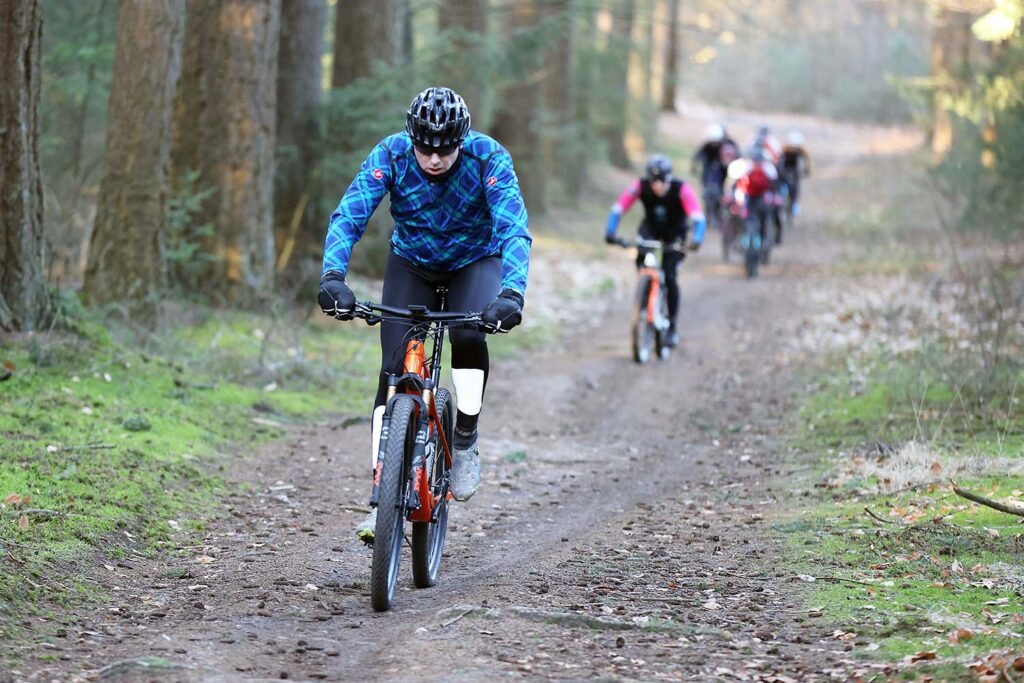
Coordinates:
(388, 534)
(642, 331)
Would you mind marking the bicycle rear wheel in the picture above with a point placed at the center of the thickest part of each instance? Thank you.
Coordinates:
(428, 537)
(753, 258)
(643, 331)
(388, 534)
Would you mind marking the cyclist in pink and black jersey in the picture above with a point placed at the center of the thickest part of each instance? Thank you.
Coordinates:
(669, 205)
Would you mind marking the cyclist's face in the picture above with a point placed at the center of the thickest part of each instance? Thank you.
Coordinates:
(435, 161)
(660, 187)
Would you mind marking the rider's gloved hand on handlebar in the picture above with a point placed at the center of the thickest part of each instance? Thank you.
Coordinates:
(506, 311)
(335, 298)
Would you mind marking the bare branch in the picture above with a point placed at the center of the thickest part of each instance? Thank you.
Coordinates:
(988, 502)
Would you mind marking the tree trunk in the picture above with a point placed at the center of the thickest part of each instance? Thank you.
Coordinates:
(621, 46)
(467, 20)
(940, 134)
(224, 128)
(560, 134)
(407, 42)
(125, 254)
(299, 90)
(671, 77)
(23, 297)
(517, 123)
(365, 32)
(585, 78)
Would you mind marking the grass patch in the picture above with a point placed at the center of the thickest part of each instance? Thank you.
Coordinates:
(926, 571)
(109, 447)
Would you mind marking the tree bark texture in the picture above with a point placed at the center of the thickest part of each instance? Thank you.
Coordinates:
(517, 122)
(585, 76)
(671, 78)
(23, 296)
(225, 115)
(562, 146)
(125, 253)
(299, 95)
(365, 32)
(621, 45)
(467, 22)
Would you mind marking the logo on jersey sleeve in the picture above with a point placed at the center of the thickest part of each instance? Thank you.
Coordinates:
(492, 181)
(377, 173)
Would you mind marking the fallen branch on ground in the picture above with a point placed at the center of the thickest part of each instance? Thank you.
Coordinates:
(987, 502)
(877, 517)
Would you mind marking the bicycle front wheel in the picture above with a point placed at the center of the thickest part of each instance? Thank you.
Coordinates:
(428, 537)
(389, 534)
(643, 331)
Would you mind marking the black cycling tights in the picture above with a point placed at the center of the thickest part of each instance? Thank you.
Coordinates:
(469, 289)
(670, 261)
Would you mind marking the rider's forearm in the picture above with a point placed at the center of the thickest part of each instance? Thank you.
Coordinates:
(612, 226)
(515, 263)
(700, 225)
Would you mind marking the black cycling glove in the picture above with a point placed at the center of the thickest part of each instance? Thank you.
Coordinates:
(506, 311)
(335, 298)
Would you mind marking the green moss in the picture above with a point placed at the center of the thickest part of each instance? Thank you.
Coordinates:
(939, 563)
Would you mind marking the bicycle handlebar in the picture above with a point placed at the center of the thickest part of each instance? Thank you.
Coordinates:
(642, 243)
(374, 313)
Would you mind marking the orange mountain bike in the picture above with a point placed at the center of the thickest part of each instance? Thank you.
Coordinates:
(412, 476)
(650, 324)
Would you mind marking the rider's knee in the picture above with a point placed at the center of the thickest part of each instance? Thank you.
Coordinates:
(467, 341)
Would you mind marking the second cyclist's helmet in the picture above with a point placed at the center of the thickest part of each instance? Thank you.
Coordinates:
(659, 167)
(437, 118)
(714, 132)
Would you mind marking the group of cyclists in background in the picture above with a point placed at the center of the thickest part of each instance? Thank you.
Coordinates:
(461, 239)
(744, 193)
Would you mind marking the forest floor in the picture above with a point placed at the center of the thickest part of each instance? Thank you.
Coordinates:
(634, 523)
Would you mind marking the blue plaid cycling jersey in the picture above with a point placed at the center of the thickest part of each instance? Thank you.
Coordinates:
(475, 212)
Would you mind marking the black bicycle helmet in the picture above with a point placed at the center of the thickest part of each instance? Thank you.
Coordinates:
(438, 119)
(659, 167)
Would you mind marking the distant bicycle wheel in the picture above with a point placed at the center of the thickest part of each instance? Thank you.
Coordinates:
(642, 330)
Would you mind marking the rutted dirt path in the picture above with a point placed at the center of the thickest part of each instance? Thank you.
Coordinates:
(631, 541)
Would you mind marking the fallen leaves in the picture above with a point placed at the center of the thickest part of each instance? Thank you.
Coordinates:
(16, 500)
(961, 635)
(921, 657)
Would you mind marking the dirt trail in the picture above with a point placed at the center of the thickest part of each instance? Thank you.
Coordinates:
(631, 542)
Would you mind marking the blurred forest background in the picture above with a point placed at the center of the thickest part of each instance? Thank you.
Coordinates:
(194, 149)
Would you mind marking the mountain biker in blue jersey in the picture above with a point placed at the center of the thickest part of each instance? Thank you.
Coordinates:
(668, 202)
(460, 221)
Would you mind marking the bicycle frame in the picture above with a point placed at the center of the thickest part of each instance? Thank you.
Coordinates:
(652, 270)
(420, 380)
